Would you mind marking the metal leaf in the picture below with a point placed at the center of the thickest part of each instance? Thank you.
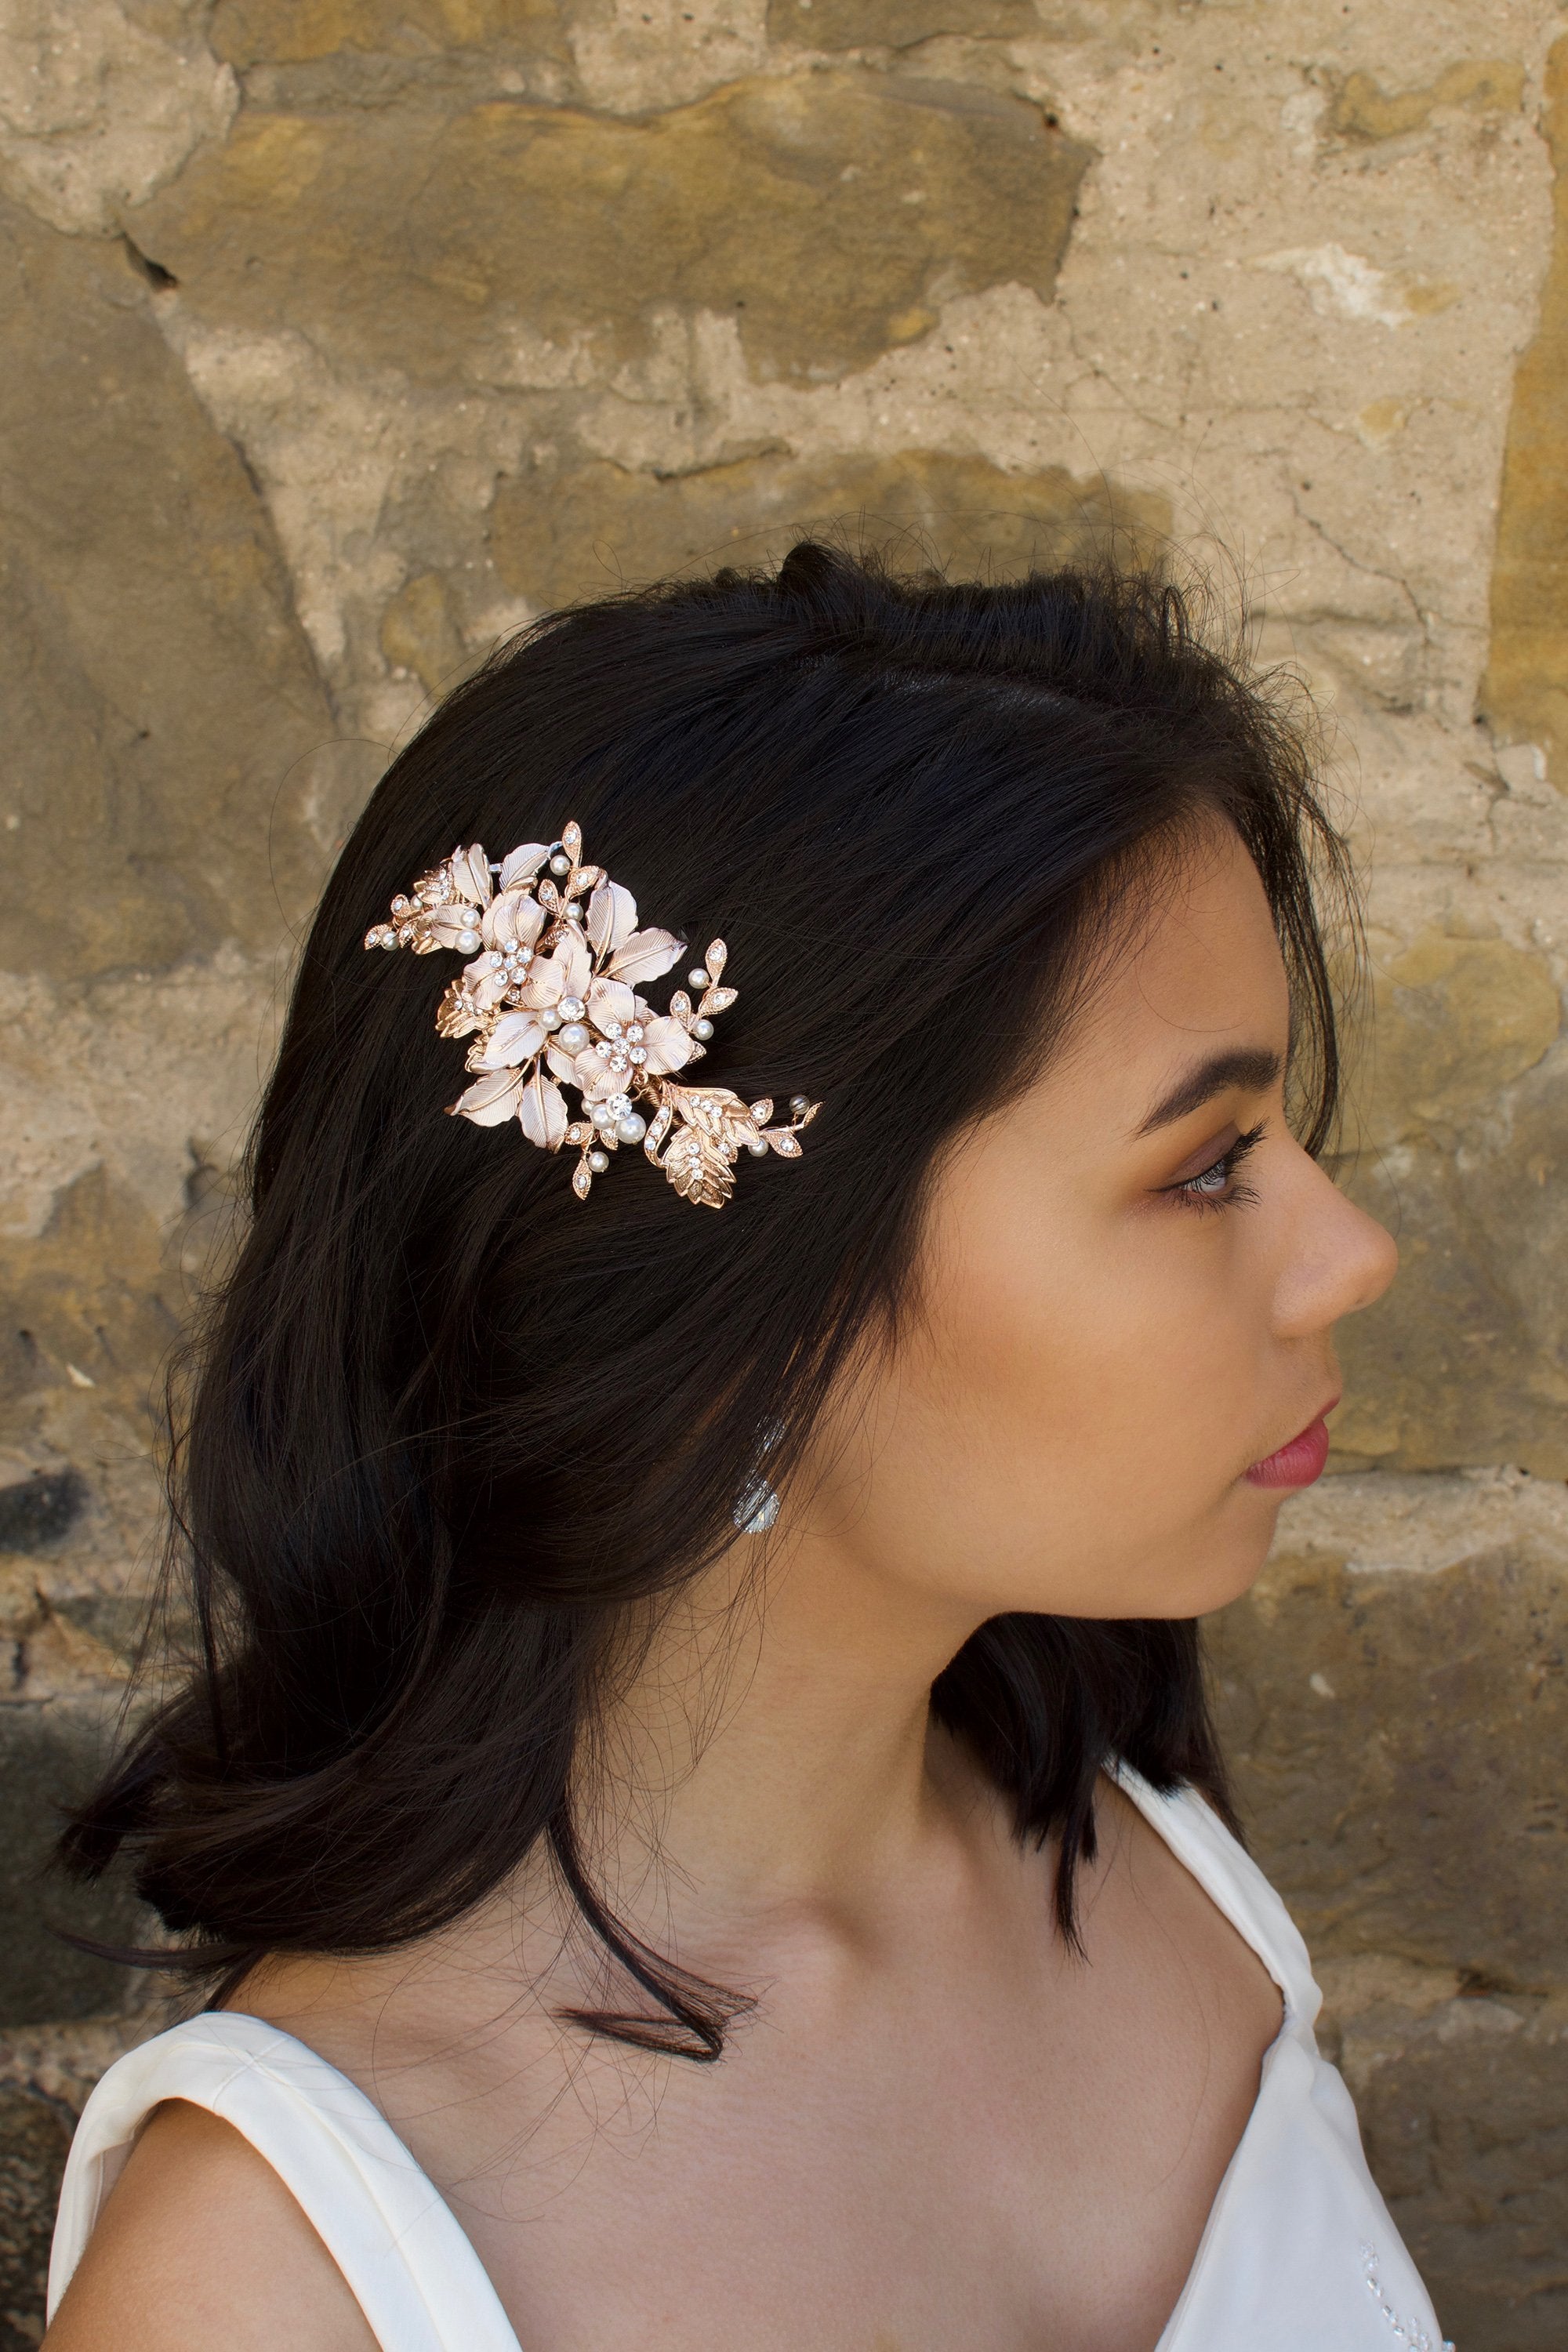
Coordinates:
(646, 955)
(489, 1099)
(471, 874)
(782, 1141)
(582, 1179)
(542, 1112)
(698, 1169)
(612, 916)
(762, 1110)
(716, 1000)
(715, 959)
(572, 839)
(522, 864)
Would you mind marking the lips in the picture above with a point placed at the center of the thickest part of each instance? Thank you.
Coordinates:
(1298, 1463)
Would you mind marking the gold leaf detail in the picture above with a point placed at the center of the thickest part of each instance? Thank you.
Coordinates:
(582, 1179)
(717, 1000)
(782, 1141)
(455, 1016)
(698, 1169)
(762, 1110)
(715, 959)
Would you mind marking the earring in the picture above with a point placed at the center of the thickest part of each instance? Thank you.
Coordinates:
(759, 1505)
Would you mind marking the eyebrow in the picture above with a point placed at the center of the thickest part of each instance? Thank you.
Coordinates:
(1251, 1068)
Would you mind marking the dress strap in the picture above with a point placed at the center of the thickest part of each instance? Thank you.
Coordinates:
(1233, 1883)
(413, 2272)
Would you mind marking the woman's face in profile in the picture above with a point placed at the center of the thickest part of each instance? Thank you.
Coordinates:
(1130, 1278)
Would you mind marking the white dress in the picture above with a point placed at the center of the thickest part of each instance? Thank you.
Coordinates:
(1299, 2255)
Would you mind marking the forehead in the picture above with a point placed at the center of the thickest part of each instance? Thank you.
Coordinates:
(1193, 967)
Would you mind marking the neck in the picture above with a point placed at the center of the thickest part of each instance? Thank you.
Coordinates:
(777, 1733)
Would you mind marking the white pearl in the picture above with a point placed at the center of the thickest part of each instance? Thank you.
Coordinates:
(759, 1149)
(561, 862)
(572, 1008)
(799, 1103)
(467, 942)
(703, 1029)
(631, 1129)
(574, 1036)
(598, 1161)
(698, 976)
(549, 1020)
(389, 938)
(601, 1114)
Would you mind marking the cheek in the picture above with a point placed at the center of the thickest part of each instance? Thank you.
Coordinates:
(1083, 1391)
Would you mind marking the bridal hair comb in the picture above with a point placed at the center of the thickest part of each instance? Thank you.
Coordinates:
(550, 999)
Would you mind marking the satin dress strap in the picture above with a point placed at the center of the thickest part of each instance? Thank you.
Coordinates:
(407, 2260)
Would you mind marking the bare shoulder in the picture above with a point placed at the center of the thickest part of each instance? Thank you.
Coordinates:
(200, 2246)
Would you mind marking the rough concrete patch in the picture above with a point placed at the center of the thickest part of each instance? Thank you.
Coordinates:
(97, 110)
(895, 23)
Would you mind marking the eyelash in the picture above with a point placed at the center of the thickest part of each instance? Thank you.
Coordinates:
(1229, 1161)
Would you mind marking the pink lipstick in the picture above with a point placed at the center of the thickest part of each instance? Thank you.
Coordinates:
(1298, 1464)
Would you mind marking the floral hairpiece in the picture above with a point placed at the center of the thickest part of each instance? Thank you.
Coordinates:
(551, 995)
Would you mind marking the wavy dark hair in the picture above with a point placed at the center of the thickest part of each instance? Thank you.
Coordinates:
(450, 1429)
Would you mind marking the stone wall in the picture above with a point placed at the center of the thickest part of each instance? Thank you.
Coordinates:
(342, 335)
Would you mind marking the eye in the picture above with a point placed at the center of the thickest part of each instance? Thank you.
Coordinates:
(1215, 1187)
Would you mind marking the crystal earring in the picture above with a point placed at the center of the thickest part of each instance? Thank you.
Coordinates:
(759, 1505)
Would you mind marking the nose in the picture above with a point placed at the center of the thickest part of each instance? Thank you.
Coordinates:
(1340, 1259)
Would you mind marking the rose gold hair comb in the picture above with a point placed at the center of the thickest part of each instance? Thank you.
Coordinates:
(550, 999)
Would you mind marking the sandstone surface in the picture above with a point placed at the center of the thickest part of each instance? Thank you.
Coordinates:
(345, 336)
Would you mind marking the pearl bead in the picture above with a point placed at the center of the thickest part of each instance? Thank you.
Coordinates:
(572, 1008)
(389, 938)
(561, 862)
(574, 1036)
(598, 1161)
(467, 942)
(631, 1129)
(601, 1114)
(703, 1029)
(759, 1149)
(549, 1021)
(799, 1103)
(698, 976)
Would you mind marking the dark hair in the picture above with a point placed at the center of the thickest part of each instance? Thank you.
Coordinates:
(449, 1423)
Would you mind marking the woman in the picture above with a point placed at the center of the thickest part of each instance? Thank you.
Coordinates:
(696, 1803)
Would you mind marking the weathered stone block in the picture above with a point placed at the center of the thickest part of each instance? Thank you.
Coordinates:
(827, 216)
(600, 526)
(1462, 2095)
(35, 2134)
(159, 691)
(1524, 695)
(1394, 1702)
(48, 1756)
(1465, 1360)
(249, 33)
